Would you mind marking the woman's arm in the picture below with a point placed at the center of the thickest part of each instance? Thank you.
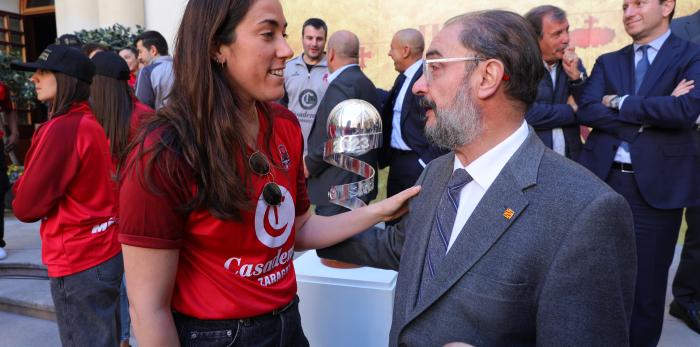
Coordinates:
(314, 231)
(150, 278)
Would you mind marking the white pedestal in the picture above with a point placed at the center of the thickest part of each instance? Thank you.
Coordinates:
(344, 307)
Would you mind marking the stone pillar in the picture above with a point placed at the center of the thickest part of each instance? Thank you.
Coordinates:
(165, 16)
(76, 15)
(128, 13)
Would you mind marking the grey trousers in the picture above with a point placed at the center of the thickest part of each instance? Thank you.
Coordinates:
(86, 304)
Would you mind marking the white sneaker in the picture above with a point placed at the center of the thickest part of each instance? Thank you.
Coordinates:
(3, 254)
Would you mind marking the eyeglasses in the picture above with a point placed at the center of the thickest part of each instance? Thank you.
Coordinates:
(429, 69)
(272, 194)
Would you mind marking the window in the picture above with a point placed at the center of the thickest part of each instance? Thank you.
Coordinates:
(12, 34)
(30, 7)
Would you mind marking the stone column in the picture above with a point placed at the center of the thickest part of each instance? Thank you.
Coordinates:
(125, 12)
(76, 15)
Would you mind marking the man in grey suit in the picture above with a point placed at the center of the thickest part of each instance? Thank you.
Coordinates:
(346, 81)
(508, 243)
(686, 285)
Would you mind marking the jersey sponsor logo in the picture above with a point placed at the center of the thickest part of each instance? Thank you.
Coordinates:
(273, 224)
(103, 226)
(308, 99)
(266, 273)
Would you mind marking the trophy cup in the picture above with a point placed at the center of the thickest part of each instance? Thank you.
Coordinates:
(354, 128)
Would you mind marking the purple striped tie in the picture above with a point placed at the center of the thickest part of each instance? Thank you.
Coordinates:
(442, 225)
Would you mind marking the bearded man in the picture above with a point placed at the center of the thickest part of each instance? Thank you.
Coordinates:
(508, 243)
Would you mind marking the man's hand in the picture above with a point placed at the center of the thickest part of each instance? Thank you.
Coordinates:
(606, 100)
(683, 88)
(570, 64)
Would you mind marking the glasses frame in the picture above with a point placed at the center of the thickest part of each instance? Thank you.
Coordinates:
(272, 193)
(429, 76)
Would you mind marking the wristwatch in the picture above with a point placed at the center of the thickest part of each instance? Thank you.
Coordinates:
(580, 80)
(615, 102)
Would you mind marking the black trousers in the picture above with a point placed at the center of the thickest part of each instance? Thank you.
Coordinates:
(686, 285)
(656, 233)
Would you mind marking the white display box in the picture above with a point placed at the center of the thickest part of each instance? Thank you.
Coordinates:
(344, 307)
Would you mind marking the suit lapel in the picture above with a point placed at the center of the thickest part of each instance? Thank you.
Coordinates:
(408, 98)
(489, 221)
(430, 196)
(628, 66)
(666, 55)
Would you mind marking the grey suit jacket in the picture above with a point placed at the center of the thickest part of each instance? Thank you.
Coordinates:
(350, 84)
(559, 272)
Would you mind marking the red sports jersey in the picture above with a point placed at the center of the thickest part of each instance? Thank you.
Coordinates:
(67, 183)
(227, 269)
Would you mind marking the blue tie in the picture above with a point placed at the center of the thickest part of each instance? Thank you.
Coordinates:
(641, 69)
(442, 225)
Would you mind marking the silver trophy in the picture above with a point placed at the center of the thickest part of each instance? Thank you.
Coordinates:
(354, 128)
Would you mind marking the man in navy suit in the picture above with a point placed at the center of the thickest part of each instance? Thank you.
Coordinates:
(686, 285)
(644, 144)
(553, 112)
(405, 149)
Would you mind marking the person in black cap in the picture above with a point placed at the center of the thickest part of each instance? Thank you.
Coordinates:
(70, 40)
(120, 114)
(67, 185)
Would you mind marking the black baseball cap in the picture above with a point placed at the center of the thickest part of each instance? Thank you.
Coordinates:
(110, 64)
(69, 40)
(63, 59)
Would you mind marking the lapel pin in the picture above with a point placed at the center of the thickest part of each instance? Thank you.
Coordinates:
(508, 213)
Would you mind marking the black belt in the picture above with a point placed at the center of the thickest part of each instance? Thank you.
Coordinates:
(401, 152)
(623, 167)
(245, 321)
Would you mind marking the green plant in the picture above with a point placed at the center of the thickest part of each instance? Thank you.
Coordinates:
(116, 37)
(21, 89)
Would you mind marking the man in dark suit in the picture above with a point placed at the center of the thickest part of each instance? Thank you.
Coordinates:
(643, 144)
(346, 81)
(686, 285)
(508, 243)
(405, 149)
(553, 114)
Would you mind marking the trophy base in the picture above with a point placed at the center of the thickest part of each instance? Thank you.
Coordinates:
(336, 264)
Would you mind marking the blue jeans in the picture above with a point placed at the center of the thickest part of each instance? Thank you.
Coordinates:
(278, 328)
(86, 304)
(124, 318)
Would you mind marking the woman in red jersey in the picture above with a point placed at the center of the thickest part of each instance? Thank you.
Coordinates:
(116, 108)
(67, 185)
(213, 203)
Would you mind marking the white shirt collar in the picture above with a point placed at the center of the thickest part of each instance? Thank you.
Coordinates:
(336, 73)
(486, 168)
(411, 71)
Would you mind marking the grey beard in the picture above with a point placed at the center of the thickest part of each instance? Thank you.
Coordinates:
(458, 124)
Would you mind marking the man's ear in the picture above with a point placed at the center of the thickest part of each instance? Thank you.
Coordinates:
(153, 51)
(492, 77)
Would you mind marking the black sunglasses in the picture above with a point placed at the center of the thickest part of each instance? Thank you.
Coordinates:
(272, 194)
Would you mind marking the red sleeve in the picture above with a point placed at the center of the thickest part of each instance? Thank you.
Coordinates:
(6, 103)
(150, 215)
(50, 165)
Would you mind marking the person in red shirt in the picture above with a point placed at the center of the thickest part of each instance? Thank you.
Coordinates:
(8, 142)
(213, 202)
(120, 114)
(67, 185)
(130, 56)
